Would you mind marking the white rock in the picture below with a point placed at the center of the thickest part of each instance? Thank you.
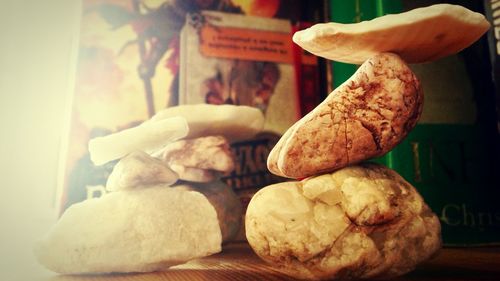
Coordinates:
(148, 137)
(132, 231)
(234, 122)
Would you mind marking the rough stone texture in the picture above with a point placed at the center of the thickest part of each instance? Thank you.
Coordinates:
(360, 222)
(201, 159)
(138, 230)
(365, 117)
(207, 153)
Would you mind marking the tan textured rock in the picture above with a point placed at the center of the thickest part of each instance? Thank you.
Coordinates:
(419, 35)
(207, 153)
(201, 159)
(365, 117)
(359, 222)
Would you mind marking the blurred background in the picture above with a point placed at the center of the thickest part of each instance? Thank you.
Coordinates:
(35, 73)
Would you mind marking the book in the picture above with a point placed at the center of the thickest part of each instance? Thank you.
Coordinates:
(354, 11)
(307, 75)
(121, 79)
(127, 69)
(492, 12)
(242, 60)
(449, 155)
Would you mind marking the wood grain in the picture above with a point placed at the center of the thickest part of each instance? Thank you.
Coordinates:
(237, 262)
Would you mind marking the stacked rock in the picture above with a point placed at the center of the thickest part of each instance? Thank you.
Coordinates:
(346, 219)
(165, 203)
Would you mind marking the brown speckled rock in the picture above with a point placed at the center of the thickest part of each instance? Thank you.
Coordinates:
(365, 117)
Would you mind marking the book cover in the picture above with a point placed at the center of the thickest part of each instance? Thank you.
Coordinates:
(449, 155)
(492, 12)
(242, 60)
(127, 68)
(307, 75)
(348, 12)
(122, 77)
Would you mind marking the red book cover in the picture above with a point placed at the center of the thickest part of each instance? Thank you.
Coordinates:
(307, 75)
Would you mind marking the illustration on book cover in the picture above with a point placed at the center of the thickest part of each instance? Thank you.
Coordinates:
(130, 63)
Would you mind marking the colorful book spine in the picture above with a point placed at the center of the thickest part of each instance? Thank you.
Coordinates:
(307, 75)
(342, 11)
(492, 12)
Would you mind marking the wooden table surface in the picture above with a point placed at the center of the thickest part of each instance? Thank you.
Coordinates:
(237, 262)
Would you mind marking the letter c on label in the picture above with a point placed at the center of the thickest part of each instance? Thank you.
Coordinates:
(445, 214)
